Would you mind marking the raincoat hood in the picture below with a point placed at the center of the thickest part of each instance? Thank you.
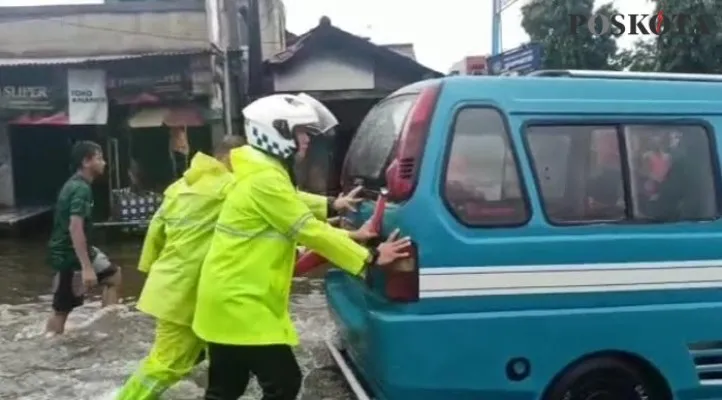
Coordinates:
(202, 165)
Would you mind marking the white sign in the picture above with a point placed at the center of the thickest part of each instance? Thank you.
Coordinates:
(87, 97)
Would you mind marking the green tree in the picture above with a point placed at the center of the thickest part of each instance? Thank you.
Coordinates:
(548, 22)
(642, 57)
(692, 51)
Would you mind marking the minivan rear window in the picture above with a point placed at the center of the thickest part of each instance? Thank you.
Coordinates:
(371, 147)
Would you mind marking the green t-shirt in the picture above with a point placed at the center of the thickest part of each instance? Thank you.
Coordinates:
(75, 198)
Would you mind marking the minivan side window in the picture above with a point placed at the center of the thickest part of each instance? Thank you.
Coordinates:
(481, 183)
(375, 138)
(579, 172)
(620, 173)
(672, 173)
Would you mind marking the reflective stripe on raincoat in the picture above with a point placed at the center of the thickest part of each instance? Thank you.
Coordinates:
(178, 239)
(243, 292)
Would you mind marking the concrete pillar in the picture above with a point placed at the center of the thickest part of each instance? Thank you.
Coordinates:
(7, 192)
(218, 130)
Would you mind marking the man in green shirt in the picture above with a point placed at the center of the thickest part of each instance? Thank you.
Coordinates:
(78, 266)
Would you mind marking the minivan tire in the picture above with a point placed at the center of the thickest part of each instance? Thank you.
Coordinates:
(606, 378)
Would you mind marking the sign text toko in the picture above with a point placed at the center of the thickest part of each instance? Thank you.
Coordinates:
(642, 24)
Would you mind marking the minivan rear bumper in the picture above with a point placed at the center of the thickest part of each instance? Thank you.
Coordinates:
(399, 357)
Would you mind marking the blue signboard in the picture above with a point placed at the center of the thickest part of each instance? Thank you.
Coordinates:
(521, 60)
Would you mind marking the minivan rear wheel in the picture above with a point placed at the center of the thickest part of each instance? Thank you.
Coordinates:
(606, 378)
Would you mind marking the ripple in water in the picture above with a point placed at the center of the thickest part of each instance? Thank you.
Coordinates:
(103, 346)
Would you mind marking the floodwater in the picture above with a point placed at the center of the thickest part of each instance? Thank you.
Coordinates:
(103, 346)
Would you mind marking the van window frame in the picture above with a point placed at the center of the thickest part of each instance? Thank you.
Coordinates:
(377, 181)
(523, 191)
(618, 124)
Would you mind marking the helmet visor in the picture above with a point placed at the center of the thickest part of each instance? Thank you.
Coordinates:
(308, 129)
(327, 121)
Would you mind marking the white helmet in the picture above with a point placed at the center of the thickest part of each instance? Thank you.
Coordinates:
(327, 121)
(271, 122)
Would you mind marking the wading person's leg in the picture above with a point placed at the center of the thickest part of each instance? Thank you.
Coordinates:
(172, 357)
(65, 299)
(274, 366)
(111, 286)
(277, 371)
(228, 372)
(109, 277)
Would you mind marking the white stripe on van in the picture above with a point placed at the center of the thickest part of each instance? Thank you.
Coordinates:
(569, 278)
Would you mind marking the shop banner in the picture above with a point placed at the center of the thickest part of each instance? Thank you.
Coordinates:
(71, 97)
(87, 100)
(54, 95)
(159, 80)
(152, 87)
(33, 96)
(149, 89)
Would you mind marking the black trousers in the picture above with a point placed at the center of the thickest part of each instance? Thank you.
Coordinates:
(231, 367)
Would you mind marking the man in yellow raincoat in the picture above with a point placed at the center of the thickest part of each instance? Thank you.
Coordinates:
(176, 243)
(242, 307)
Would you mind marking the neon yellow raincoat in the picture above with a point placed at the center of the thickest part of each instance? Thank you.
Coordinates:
(177, 241)
(245, 282)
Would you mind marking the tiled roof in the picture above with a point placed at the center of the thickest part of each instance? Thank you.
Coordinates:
(325, 32)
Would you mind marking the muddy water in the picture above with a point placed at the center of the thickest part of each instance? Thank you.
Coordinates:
(103, 346)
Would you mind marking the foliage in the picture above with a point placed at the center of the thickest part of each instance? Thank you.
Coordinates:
(642, 57)
(692, 51)
(548, 22)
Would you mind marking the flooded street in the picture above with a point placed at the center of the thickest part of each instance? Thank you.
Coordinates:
(103, 346)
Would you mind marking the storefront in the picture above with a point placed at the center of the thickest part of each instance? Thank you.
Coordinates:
(136, 108)
(162, 118)
(43, 110)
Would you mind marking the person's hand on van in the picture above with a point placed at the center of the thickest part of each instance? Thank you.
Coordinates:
(348, 201)
(392, 249)
(365, 233)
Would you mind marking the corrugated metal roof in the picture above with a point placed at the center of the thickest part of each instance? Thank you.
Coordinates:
(17, 62)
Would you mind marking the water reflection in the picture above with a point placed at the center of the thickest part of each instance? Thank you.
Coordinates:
(103, 346)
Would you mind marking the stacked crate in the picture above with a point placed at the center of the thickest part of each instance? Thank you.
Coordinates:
(128, 206)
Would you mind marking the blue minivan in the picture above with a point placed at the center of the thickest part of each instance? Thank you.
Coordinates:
(567, 241)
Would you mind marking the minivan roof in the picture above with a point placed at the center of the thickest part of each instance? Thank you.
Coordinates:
(416, 87)
(590, 94)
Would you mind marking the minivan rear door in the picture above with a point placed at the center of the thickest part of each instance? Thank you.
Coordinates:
(370, 150)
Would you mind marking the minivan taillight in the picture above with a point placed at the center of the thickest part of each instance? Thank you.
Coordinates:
(403, 171)
(401, 279)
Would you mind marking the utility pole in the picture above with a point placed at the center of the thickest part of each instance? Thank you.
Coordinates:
(255, 50)
(498, 6)
(227, 98)
(496, 27)
(233, 40)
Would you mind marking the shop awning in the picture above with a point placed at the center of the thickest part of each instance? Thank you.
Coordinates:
(167, 116)
(39, 61)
